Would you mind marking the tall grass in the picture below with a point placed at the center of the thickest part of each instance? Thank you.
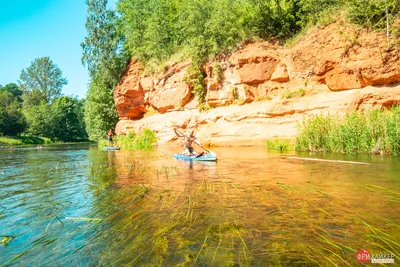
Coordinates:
(372, 131)
(133, 141)
(279, 144)
(23, 140)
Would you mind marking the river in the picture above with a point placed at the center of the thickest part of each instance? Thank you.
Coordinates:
(76, 205)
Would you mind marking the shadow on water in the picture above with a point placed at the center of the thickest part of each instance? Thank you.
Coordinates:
(84, 206)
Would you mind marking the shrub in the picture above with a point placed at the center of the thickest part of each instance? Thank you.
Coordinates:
(217, 72)
(287, 94)
(204, 107)
(195, 79)
(372, 13)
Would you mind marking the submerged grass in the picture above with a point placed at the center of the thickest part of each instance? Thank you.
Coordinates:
(371, 131)
(13, 259)
(149, 214)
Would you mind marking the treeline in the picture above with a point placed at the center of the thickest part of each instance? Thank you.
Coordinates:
(37, 107)
(155, 30)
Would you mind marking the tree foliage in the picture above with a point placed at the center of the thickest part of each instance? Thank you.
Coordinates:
(68, 120)
(39, 119)
(103, 42)
(105, 59)
(100, 111)
(372, 13)
(36, 107)
(62, 120)
(158, 28)
(43, 76)
(14, 90)
(154, 30)
(12, 121)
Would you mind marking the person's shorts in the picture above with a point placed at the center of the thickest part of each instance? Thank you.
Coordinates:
(188, 150)
(109, 138)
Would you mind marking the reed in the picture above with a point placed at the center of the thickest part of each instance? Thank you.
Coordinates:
(371, 131)
(133, 141)
(279, 144)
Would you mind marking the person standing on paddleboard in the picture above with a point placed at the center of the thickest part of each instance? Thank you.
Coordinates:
(188, 141)
(110, 137)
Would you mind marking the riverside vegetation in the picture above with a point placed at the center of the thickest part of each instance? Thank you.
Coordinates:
(369, 131)
(23, 140)
(36, 107)
(158, 31)
(132, 141)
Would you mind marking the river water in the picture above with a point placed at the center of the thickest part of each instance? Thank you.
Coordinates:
(76, 205)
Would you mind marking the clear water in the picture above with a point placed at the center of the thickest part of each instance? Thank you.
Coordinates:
(75, 205)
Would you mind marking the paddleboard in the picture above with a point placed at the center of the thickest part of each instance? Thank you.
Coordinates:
(111, 148)
(205, 157)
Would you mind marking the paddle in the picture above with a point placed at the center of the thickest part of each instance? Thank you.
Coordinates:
(200, 154)
(211, 153)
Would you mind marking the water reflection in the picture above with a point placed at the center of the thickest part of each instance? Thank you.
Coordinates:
(90, 207)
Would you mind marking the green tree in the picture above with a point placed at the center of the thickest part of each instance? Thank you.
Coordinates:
(14, 90)
(62, 120)
(105, 59)
(39, 119)
(100, 111)
(102, 45)
(133, 24)
(43, 76)
(12, 121)
(67, 120)
(32, 98)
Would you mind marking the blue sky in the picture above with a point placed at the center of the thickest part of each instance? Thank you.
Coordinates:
(31, 29)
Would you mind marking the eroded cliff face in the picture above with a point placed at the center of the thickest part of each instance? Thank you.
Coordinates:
(265, 90)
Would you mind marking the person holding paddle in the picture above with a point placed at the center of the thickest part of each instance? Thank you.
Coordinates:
(110, 137)
(188, 141)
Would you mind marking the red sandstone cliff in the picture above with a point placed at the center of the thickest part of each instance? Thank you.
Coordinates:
(332, 69)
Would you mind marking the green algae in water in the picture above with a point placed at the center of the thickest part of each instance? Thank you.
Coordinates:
(144, 208)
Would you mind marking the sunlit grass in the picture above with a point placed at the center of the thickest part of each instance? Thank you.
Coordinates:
(372, 131)
(23, 140)
(279, 145)
(133, 141)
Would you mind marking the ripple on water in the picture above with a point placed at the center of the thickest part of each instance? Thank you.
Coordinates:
(89, 207)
